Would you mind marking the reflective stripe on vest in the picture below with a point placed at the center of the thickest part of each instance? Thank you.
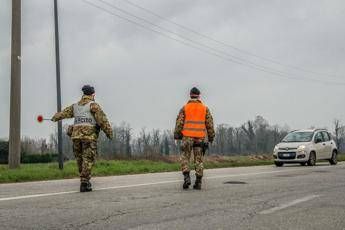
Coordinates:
(82, 115)
(195, 118)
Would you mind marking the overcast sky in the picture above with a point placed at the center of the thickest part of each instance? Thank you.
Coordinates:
(144, 78)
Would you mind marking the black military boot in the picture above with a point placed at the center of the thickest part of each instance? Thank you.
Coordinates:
(89, 187)
(198, 182)
(187, 181)
(85, 187)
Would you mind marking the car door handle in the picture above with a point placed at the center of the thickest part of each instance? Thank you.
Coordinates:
(324, 143)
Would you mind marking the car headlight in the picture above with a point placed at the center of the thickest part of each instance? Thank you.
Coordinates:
(301, 148)
(275, 149)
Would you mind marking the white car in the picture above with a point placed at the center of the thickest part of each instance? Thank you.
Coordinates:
(306, 147)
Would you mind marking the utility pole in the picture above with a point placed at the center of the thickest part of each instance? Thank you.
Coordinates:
(15, 101)
(58, 81)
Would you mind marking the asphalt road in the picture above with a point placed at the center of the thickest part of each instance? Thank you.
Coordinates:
(264, 197)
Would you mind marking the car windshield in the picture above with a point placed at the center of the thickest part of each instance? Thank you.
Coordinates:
(298, 137)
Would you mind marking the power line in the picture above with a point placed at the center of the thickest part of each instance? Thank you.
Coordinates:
(216, 53)
(226, 44)
(258, 67)
(203, 45)
(191, 40)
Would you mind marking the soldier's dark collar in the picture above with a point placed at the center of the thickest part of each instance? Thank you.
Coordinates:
(194, 101)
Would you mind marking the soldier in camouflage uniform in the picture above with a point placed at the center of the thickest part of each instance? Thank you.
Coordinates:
(89, 119)
(193, 125)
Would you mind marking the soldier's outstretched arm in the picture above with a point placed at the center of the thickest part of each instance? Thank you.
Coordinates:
(102, 120)
(179, 125)
(210, 126)
(66, 113)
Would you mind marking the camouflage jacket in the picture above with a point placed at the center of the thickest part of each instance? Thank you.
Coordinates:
(87, 132)
(181, 118)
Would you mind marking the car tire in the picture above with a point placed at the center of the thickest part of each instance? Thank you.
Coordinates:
(278, 163)
(334, 160)
(312, 159)
(303, 163)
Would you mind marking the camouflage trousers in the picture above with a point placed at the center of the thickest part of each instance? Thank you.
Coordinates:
(85, 153)
(187, 149)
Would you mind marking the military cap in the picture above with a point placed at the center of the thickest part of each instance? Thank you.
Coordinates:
(194, 92)
(88, 90)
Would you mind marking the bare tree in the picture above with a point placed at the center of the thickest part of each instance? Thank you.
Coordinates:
(238, 133)
(337, 127)
(248, 129)
(339, 134)
(254, 136)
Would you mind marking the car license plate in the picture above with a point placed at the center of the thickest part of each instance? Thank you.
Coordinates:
(286, 154)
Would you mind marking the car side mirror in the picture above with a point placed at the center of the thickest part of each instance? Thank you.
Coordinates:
(318, 140)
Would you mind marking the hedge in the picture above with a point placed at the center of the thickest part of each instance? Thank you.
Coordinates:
(25, 158)
(3, 152)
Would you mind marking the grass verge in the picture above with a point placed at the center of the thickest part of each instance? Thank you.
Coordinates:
(50, 171)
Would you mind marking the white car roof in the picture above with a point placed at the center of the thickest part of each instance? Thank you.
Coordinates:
(310, 130)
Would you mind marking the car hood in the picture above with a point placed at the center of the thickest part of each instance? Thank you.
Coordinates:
(291, 144)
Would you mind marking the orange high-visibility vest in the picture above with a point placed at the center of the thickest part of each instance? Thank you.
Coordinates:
(195, 118)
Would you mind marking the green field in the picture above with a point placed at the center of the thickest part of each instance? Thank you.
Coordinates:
(50, 171)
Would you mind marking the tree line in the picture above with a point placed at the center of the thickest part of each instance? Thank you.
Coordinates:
(255, 136)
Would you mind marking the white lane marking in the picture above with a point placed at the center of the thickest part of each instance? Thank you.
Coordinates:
(287, 205)
(36, 195)
(138, 185)
(148, 184)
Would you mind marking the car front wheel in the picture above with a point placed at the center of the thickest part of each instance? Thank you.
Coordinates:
(312, 159)
(334, 160)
